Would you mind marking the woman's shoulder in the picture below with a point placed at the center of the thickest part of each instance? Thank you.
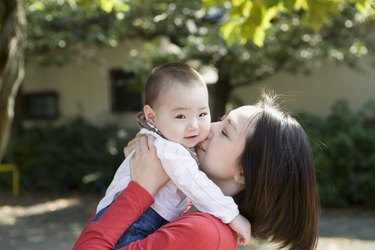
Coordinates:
(203, 231)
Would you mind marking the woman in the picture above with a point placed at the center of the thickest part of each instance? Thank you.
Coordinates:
(257, 154)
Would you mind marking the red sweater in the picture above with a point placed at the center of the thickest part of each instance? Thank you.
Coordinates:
(192, 231)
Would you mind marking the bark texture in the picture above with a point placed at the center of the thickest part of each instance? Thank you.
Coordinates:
(12, 38)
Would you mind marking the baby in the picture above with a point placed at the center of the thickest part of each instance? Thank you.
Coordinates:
(177, 114)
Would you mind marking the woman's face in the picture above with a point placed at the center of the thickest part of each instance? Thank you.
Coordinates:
(218, 154)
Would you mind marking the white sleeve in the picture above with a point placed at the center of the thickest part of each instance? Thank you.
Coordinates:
(120, 181)
(183, 171)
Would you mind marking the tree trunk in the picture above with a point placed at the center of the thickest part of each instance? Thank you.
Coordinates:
(220, 91)
(12, 30)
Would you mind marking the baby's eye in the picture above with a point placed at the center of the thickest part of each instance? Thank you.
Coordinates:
(203, 114)
(180, 116)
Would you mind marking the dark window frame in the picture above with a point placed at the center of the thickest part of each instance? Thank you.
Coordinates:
(41, 105)
(123, 100)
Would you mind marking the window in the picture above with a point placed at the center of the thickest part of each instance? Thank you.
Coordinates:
(126, 91)
(41, 105)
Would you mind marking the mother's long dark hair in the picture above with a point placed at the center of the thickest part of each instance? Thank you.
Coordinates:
(280, 197)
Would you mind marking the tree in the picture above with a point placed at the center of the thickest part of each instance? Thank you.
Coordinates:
(61, 26)
(249, 20)
(288, 45)
(12, 36)
(13, 41)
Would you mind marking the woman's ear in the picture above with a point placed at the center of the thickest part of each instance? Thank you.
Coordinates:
(239, 177)
(149, 113)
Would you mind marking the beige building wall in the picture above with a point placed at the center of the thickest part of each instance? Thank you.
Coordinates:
(317, 92)
(84, 88)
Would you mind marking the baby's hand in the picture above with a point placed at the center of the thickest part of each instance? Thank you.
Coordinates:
(243, 229)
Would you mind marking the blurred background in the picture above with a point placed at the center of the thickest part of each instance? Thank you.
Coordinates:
(71, 81)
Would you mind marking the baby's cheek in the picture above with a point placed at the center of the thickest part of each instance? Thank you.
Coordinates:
(206, 131)
(202, 137)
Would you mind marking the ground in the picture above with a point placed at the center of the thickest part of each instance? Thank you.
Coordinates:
(39, 222)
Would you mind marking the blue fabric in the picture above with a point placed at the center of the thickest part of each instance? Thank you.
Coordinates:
(99, 214)
(148, 223)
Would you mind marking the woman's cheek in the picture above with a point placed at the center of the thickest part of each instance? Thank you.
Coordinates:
(204, 162)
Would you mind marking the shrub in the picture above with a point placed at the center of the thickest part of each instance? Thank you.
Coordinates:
(344, 152)
(73, 156)
(81, 156)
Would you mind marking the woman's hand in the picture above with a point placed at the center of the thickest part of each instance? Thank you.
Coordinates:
(145, 166)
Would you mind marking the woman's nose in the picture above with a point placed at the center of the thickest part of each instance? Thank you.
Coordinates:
(212, 130)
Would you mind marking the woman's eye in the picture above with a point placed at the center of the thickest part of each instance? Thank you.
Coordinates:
(180, 117)
(224, 133)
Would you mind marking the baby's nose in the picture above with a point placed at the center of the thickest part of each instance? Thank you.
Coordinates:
(193, 125)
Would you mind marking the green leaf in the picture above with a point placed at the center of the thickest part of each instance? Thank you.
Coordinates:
(230, 32)
(212, 3)
(270, 3)
(122, 7)
(319, 13)
(259, 36)
(289, 4)
(37, 6)
(257, 14)
(365, 7)
(301, 4)
(107, 5)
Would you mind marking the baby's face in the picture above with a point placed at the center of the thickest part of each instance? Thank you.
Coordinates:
(183, 115)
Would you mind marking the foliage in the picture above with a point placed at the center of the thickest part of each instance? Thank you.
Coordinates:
(344, 150)
(56, 27)
(193, 36)
(76, 155)
(249, 20)
(106, 21)
(187, 33)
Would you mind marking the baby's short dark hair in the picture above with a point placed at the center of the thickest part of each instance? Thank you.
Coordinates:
(169, 75)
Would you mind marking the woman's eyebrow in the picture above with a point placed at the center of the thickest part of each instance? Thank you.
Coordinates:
(223, 117)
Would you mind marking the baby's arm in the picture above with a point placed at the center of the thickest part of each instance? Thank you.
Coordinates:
(120, 181)
(242, 227)
(205, 194)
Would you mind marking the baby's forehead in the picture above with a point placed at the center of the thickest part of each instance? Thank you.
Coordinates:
(183, 93)
(183, 104)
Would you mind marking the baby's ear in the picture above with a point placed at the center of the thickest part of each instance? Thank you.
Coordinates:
(149, 113)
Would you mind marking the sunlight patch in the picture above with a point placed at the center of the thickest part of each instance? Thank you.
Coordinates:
(10, 214)
(344, 244)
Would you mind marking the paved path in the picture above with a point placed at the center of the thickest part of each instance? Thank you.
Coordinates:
(40, 223)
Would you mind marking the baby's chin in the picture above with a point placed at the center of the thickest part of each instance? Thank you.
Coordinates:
(184, 143)
(187, 145)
